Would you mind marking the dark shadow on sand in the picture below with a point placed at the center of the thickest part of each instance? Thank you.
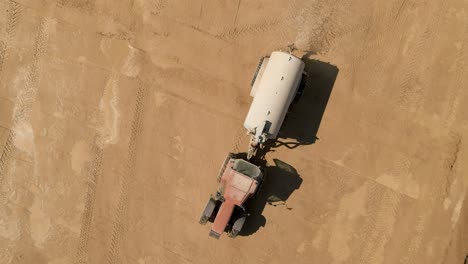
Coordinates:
(305, 114)
(280, 181)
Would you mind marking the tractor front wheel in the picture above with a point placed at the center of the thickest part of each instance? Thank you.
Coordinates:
(237, 227)
(208, 212)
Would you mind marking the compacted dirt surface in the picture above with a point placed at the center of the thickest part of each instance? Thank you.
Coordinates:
(115, 117)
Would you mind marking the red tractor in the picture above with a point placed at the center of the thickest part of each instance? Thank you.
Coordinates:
(238, 181)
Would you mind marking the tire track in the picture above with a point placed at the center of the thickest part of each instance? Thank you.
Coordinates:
(382, 38)
(452, 155)
(201, 106)
(329, 28)
(86, 6)
(239, 136)
(416, 240)
(26, 95)
(382, 31)
(377, 231)
(396, 17)
(3, 48)
(119, 226)
(159, 6)
(412, 95)
(90, 198)
(424, 219)
(455, 97)
(5, 153)
(366, 231)
(13, 14)
(315, 23)
(251, 29)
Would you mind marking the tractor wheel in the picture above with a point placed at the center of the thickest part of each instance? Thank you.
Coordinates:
(233, 233)
(223, 167)
(209, 209)
(203, 220)
(237, 227)
(219, 196)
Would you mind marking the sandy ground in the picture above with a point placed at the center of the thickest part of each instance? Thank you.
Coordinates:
(116, 115)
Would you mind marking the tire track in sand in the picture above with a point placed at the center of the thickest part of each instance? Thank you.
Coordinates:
(159, 6)
(5, 153)
(258, 28)
(377, 230)
(85, 6)
(315, 24)
(119, 227)
(239, 136)
(27, 93)
(383, 38)
(456, 94)
(413, 89)
(90, 198)
(13, 14)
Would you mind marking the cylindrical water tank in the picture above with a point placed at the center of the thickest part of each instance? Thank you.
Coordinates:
(274, 93)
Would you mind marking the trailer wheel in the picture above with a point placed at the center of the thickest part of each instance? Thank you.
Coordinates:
(256, 71)
(302, 86)
(299, 92)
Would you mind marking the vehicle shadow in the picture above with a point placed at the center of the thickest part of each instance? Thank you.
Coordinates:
(302, 122)
(280, 181)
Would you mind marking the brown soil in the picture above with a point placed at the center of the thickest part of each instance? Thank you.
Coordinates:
(116, 115)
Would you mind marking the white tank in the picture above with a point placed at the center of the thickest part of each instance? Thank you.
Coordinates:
(274, 88)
